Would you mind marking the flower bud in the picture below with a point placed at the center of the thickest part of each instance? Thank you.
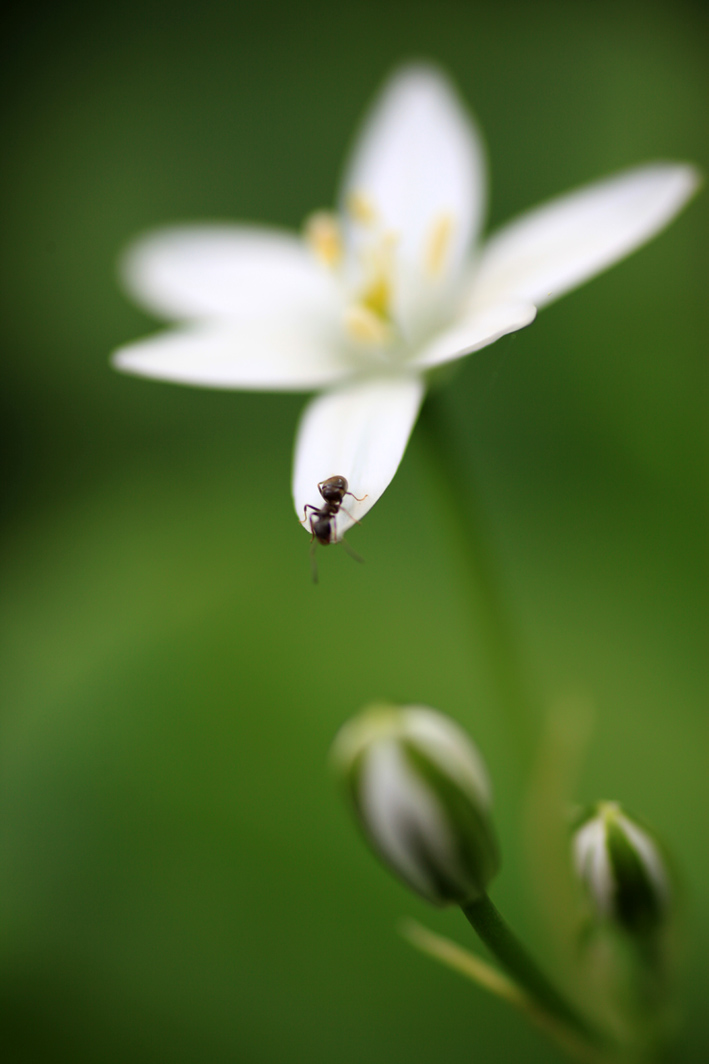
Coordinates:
(621, 868)
(421, 793)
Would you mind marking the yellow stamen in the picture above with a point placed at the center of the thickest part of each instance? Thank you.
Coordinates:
(365, 326)
(377, 297)
(322, 232)
(361, 208)
(438, 245)
(379, 263)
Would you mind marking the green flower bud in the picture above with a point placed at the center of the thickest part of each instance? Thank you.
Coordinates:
(622, 869)
(421, 793)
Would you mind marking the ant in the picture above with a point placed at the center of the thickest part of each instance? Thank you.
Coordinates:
(322, 520)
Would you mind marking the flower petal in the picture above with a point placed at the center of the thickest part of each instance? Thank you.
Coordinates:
(207, 271)
(289, 354)
(359, 432)
(418, 161)
(476, 331)
(556, 247)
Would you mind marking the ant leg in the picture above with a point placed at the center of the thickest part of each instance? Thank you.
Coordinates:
(308, 506)
(350, 515)
(352, 553)
(313, 561)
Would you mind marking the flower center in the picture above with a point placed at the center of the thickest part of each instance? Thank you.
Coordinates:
(366, 265)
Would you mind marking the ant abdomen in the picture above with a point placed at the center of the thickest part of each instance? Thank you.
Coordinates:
(321, 527)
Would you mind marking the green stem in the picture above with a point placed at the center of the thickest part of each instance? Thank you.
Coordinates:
(495, 982)
(453, 479)
(503, 943)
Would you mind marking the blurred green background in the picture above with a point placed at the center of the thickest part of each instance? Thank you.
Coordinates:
(179, 880)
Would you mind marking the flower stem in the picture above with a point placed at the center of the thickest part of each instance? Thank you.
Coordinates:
(489, 978)
(503, 943)
(453, 479)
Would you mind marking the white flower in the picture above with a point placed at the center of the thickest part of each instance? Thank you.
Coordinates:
(375, 295)
(421, 792)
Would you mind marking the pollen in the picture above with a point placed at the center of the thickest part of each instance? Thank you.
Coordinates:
(322, 232)
(365, 326)
(438, 245)
(361, 209)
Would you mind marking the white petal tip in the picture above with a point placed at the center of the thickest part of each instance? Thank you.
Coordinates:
(358, 432)
(418, 74)
(553, 248)
(680, 181)
(690, 175)
(121, 361)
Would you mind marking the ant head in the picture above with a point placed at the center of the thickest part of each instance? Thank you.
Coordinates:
(333, 489)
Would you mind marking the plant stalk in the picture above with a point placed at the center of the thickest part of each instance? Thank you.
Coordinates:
(512, 955)
(464, 522)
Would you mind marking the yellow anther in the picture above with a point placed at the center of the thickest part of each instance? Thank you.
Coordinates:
(322, 232)
(438, 245)
(377, 296)
(361, 209)
(365, 326)
(379, 265)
